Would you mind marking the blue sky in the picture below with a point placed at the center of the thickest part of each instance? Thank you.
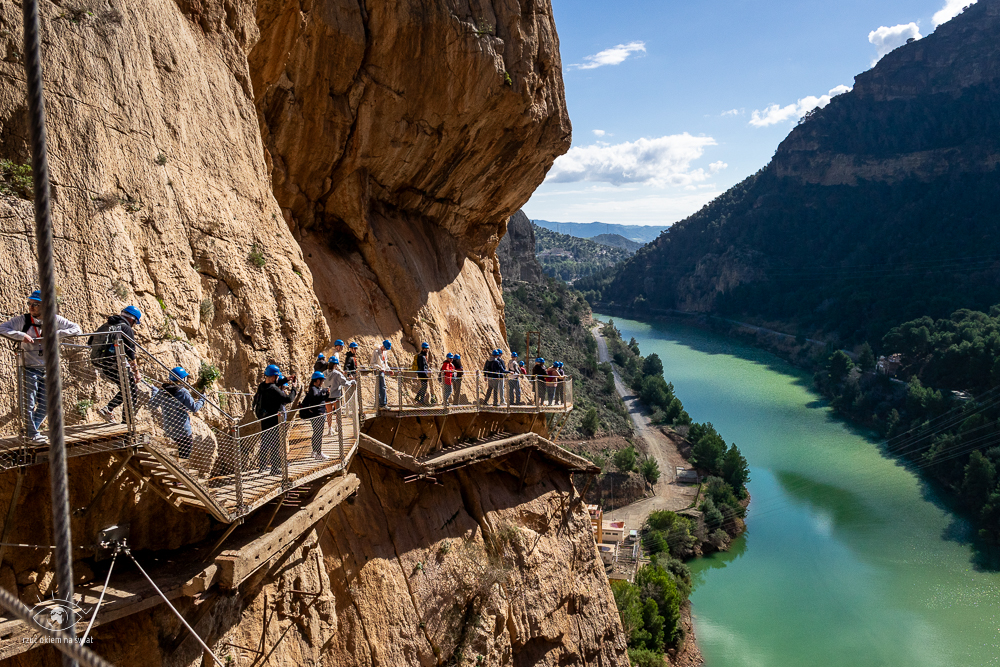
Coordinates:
(674, 102)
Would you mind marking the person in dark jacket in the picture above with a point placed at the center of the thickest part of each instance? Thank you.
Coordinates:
(494, 371)
(321, 364)
(271, 398)
(538, 375)
(118, 330)
(423, 373)
(351, 361)
(176, 404)
(313, 409)
(456, 382)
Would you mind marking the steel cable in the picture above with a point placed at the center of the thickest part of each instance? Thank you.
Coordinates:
(47, 283)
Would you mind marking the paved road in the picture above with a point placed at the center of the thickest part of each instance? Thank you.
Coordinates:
(668, 494)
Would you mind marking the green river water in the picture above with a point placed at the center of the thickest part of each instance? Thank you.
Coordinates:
(848, 559)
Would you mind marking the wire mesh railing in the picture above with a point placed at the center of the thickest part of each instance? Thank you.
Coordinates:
(117, 394)
(95, 373)
(406, 392)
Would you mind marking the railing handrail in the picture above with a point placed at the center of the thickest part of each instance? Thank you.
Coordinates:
(343, 404)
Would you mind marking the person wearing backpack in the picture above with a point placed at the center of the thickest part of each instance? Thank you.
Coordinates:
(313, 409)
(175, 404)
(538, 375)
(321, 364)
(268, 404)
(423, 369)
(447, 375)
(494, 369)
(102, 355)
(27, 330)
(335, 382)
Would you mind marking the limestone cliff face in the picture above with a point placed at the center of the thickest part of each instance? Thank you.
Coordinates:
(516, 252)
(401, 136)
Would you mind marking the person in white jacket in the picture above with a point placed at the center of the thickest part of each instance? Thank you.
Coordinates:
(27, 329)
(380, 364)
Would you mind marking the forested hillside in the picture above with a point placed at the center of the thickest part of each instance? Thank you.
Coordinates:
(570, 258)
(877, 209)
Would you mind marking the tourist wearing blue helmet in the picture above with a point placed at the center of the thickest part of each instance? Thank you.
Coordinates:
(538, 375)
(336, 382)
(351, 360)
(321, 363)
(456, 382)
(423, 368)
(313, 409)
(494, 371)
(447, 376)
(380, 364)
(268, 405)
(27, 330)
(118, 330)
(176, 405)
(338, 347)
(513, 380)
(560, 384)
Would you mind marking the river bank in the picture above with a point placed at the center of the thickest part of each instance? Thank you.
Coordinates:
(840, 539)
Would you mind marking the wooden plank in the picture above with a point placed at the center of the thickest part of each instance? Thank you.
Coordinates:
(236, 565)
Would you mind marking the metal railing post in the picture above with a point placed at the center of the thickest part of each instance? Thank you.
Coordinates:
(124, 385)
(283, 450)
(22, 397)
(340, 430)
(479, 396)
(399, 385)
(237, 449)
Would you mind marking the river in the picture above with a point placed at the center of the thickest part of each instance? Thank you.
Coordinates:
(848, 559)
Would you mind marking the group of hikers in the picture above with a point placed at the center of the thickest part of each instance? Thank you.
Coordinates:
(330, 380)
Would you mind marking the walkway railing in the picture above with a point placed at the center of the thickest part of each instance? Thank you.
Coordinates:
(410, 393)
(91, 375)
(192, 449)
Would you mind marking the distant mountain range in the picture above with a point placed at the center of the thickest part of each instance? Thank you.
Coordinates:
(877, 209)
(641, 234)
(617, 241)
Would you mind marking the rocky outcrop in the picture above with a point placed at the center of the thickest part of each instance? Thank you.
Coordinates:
(401, 137)
(516, 251)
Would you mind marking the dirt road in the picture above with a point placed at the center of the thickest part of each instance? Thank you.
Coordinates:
(668, 494)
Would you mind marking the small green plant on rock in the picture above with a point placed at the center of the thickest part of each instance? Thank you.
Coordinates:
(506, 79)
(106, 201)
(207, 375)
(484, 27)
(256, 256)
(16, 179)
(161, 159)
(120, 288)
(83, 405)
(207, 310)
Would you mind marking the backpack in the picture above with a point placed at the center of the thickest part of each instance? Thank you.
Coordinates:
(258, 405)
(102, 345)
(413, 366)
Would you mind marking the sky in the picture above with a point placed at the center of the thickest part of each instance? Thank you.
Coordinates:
(674, 102)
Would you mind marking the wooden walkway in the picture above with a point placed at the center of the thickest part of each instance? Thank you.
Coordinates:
(80, 440)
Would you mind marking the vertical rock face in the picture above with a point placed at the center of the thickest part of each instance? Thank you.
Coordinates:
(401, 136)
(516, 251)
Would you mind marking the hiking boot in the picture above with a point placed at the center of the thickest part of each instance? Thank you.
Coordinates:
(40, 438)
(320, 456)
(107, 415)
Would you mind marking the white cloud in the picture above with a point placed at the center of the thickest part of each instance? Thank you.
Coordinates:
(599, 133)
(659, 161)
(733, 112)
(885, 39)
(951, 9)
(775, 114)
(616, 55)
(716, 167)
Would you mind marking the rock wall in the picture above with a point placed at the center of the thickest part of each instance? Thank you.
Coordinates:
(516, 252)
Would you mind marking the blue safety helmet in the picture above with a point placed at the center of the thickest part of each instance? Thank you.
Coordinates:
(321, 356)
(318, 376)
(539, 360)
(36, 296)
(425, 346)
(514, 354)
(449, 356)
(352, 345)
(272, 371)
(387, 344)
(458, 356)
(497, 353)
(338, 342)
(521, 363)
(178, 373)
(335, 359)
(133, 312)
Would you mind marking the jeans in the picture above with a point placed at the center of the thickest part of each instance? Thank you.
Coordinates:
(270, 437)
(446, 389)
(539, 391)
(422, 392)
(34, 399)
(550, 393)
(560, 392)
(494, 388)
(513, 390)
(457, 382)
(383, 398)
(317, 437)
